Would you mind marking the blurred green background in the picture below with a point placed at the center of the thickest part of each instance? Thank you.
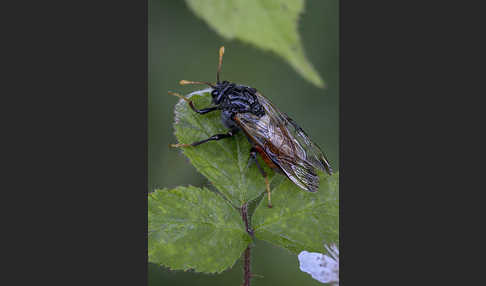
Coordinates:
(182, 46)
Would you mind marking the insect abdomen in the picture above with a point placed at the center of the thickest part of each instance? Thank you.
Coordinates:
(265, 157)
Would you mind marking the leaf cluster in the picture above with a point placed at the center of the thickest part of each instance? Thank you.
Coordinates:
(202, 229)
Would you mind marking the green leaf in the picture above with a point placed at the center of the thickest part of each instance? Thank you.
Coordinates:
(271, 25)
(300, 220)
(223, 162)
(193, 228)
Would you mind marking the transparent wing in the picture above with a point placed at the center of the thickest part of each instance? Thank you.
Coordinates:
(300, 172)
(312, 153)
(286, 144)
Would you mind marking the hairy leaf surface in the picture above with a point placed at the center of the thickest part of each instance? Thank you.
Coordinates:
(223, 162)
(301, 220)
(193, 228)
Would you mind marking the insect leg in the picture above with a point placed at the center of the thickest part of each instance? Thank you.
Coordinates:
(253, 153)
(212, 138)
(204, 110)
(200, 111)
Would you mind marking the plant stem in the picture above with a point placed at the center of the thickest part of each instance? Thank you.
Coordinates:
(244, 216)
(246, 260)
(247, 277)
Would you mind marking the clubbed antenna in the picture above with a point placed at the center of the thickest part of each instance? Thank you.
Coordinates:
(184, 82)
(221, 53)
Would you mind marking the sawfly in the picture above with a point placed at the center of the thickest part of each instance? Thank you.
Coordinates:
(281, 143)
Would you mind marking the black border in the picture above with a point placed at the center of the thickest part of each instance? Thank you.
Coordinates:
(77, 154)
(403, 78)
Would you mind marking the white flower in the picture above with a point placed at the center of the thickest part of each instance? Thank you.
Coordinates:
(321, 267)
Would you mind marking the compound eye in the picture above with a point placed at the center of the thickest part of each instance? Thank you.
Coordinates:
(214, 93)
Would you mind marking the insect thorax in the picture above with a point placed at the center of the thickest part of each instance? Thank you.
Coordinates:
(234, 98)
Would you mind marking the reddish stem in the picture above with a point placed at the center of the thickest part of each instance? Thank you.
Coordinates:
(246, 260)
(247, 276)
